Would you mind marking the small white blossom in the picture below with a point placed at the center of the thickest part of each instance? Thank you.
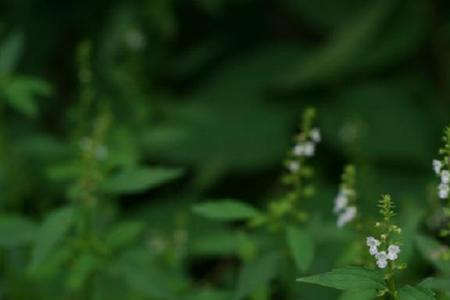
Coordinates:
(444, 190)
(381, 255)
(372, 242)
(340, 202)
(443, 194)
(393, 251)
(445, 176)
(299, 150)
(315, 135)
(373, 251)
(382, 263)
(309, 149)
(293, 166)
(437, 165)
(346, 216)
(382, 258)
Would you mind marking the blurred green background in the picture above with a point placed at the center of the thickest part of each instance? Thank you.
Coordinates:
(213, 90)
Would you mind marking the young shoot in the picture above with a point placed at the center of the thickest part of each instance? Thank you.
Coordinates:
(345, 201)
(384, 248)
(441, 168)
(298, 172)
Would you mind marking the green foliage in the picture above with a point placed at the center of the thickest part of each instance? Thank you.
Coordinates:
(130, 129)
(301, 246)
(11, 50)
(16, 231)
(256, 275)
(137, 180)
(349, 278)
(225, 210)
(420, 293)
(51, 232)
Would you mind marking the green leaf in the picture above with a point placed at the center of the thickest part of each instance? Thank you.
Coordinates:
(214, 242)
(135, 180)
(20, 93)
(402, 36)
(52, 231)
(146, 281)
(358, 295)
(208, 294)
(257, 274)
(15, 231)
(10, 52)
(415, 293)
(338, 56)
(438, 283)
(301, 246)
(349, 278)
(83, 266)
(430, 249)
(123, 234)
(225, 210)
(323, 14)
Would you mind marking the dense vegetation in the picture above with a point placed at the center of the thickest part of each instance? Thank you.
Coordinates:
(224, 149)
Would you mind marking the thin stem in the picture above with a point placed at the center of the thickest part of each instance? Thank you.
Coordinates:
(391, 284)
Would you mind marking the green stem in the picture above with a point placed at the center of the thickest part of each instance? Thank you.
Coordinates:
(391, 284)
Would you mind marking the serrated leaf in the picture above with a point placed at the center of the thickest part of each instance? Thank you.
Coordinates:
(52, 231)
(135, 180)
(225, 210)
(349, 278)
(15, 231)
(415, 293)
(301, 247)
(257, 274)
(10, 52)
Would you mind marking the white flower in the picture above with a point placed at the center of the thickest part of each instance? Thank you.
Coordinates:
(445, 176)
(309, 149)
(373, 250)
(437, 165)
(444, 190)
(315, 135)
(393, 251)
(382, 258)
(293, 166)
(382, 263)
(372, 242)
(381, 255)
(340, 202)
(443, 194)
(346, 216)
(299, 150)
(347, 191)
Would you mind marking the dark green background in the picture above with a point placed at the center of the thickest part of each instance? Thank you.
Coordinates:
(217, 88)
